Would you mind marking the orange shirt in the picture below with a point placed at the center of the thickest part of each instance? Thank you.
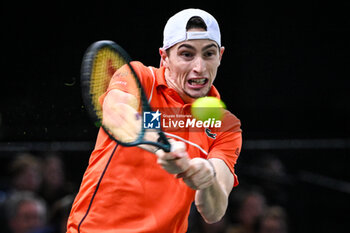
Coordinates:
(125, 190)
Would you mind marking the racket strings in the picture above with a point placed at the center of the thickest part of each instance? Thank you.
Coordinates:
(106, 63)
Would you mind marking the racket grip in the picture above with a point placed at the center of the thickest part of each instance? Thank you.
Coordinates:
(165, 143)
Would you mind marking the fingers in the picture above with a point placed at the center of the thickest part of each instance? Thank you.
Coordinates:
(178, 150)
(177, 160)
(199, 175)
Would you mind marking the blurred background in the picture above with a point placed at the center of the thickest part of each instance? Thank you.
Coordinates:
(285, 75)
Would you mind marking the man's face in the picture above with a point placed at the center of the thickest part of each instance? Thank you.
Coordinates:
(29, 216)
(191, 67)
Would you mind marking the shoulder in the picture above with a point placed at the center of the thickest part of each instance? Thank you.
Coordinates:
(146, 74)
(140, 69)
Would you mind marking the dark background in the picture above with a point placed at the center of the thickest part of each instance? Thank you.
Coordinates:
(285, 74)
(284, 71)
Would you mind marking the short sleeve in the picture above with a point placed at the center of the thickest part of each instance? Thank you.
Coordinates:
(227, 146)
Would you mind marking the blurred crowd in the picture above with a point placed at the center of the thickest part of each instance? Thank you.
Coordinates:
(37, 197)
(258, 204)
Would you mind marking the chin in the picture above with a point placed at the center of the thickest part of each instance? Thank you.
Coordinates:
(196, 95)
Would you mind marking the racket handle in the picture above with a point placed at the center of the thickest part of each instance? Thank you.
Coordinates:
(166, 145)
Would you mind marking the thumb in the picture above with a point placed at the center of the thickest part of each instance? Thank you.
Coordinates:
(178, 149)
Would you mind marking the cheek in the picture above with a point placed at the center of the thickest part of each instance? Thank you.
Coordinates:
(213, 75)
(212, 70)
(179, 72)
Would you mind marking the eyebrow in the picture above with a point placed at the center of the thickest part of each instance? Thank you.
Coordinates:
(191, 47)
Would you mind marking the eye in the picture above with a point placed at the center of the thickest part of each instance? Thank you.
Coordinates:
(209, 53)
(187, 54)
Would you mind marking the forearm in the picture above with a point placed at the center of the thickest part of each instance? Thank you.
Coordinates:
(211, 178)
(212, 202)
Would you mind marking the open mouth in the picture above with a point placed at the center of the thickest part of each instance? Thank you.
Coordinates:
(197, 82)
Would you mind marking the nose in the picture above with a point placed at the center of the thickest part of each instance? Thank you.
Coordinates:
(199, 65)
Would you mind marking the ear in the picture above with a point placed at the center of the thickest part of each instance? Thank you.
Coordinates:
(222, 50)
(163, 57)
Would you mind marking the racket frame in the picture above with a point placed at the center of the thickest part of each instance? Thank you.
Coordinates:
(86, 71)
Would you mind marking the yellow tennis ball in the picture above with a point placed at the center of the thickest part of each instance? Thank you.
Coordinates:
(208, 107)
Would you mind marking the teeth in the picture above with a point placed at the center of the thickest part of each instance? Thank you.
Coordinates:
(198, 81)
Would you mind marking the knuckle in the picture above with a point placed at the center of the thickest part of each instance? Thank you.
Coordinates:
(160, 161)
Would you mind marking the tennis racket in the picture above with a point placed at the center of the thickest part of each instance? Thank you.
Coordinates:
(121, 114)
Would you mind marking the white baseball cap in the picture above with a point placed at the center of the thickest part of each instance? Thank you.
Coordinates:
(175, 29)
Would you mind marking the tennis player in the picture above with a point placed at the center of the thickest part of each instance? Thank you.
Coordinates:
(129, 189)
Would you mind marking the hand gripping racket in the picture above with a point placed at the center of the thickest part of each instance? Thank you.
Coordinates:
(122, 112)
